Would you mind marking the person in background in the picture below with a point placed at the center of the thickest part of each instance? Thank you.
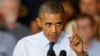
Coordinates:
(88, 7)
(9, 11)
(29, 13)
(7, 42)
(91, 7)
(69, 10)
(34, 27)
(85, 25)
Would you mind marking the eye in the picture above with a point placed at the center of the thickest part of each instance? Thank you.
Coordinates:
(48, 24)
(59, 23)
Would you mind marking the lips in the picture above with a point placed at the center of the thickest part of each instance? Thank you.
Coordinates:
(53, 36)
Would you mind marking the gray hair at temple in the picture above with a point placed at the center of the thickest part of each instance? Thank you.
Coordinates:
(52, 7)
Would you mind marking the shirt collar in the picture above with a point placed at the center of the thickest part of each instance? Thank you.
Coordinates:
(44, 41)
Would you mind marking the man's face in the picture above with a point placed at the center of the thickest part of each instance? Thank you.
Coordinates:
(52, 25)
(88, 6)
(69, 11)
(9, 11)
(85, 28)
(34, 27)
(9, 7)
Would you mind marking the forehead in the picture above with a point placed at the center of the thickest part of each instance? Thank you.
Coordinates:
(88, 1)
(52, 17)
(9, 1)
(9, 4)
(84, 21)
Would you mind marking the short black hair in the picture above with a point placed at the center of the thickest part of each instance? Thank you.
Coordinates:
(51, 6)
(85, 16)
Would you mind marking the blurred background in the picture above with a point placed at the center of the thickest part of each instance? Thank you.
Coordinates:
(18, 19)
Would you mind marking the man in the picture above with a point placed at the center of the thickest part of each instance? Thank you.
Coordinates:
(85, 25)
(91, 7)
(69, 10)
(9, 11)
(51, 40)
(34, 27)
(7, 43)
(88, 7)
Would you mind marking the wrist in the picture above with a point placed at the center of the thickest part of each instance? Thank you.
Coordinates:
(82, 54)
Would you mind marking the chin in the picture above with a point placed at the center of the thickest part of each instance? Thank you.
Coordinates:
(54, 40)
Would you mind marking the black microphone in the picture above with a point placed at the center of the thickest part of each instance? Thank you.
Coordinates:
(62, 53)
(51, 53)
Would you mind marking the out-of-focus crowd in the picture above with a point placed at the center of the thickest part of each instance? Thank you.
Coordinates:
(18, 19)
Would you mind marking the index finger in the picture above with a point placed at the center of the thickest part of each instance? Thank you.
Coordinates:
(74, 30)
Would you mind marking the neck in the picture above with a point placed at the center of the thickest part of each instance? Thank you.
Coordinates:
(89, 43)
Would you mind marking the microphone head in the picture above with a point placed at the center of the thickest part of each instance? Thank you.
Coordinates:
(50, 53)
(62, 53)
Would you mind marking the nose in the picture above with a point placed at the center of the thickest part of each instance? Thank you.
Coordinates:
(54, 29)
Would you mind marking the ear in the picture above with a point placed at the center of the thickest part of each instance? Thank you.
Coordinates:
(39, 21)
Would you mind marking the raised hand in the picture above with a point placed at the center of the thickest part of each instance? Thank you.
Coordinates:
(76, 43)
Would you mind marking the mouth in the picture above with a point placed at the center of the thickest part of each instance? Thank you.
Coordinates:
(53, 36)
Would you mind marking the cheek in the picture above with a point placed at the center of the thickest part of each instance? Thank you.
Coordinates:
(89, 31)
(92, 8)
(34, 26)
(81, 31)
(45, 28)
(83, 7)
(60, 28)
(46, 31)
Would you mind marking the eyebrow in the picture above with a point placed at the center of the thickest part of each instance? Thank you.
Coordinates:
(60, 22)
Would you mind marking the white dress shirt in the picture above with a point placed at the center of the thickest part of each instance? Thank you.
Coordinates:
(38, 45)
